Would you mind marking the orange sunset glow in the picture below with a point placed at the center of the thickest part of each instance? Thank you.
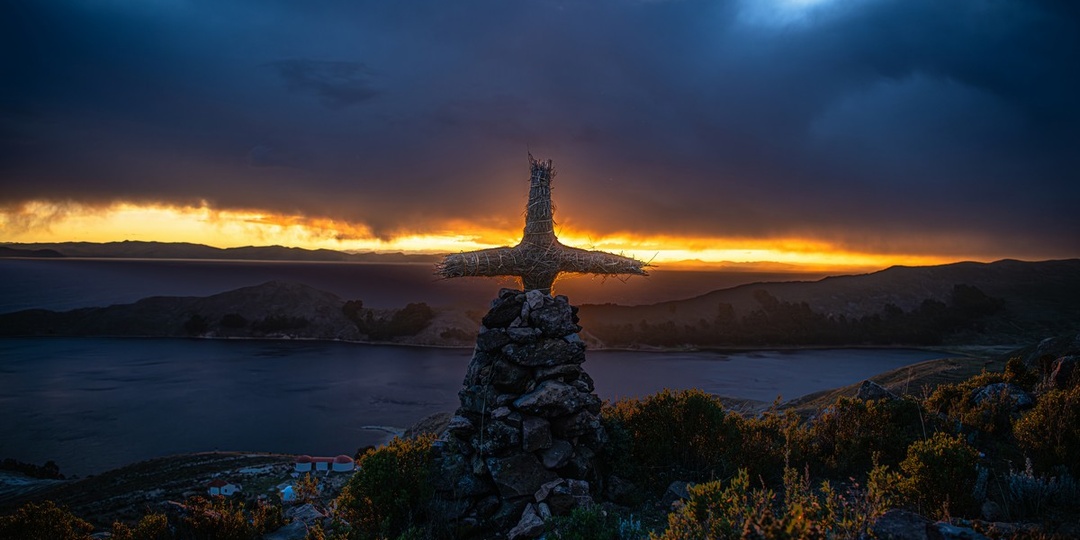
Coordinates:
(47, 222)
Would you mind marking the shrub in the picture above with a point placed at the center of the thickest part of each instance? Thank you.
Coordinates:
(1027, 495)
(737, 511)
(1050, 431)
(768, 443)
(682, 435)
(391, 490)
(216, 518)
(151, 527)
(44, 521)
(279, 323)
(993, 416)
(940, 476)
(845, 437)
(593, 523)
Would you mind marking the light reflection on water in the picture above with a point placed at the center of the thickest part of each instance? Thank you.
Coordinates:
(92, 404)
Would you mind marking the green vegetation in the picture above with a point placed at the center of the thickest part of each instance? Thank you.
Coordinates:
(391, 492)
(407, 321)
(779, 322)
(940, 476)
(44, 521)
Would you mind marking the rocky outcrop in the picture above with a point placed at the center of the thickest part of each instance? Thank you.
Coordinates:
(522, 446)
(870, 390)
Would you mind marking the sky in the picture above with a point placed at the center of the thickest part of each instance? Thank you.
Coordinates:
(859, 132)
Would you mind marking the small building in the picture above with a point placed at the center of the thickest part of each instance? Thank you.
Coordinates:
(342, 463)
(303, 463)
(223, 488)
(287, 493)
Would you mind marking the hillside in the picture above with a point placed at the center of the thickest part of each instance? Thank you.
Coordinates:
(181, 250)
(271, 310)
(1011, 302)
(1005, 302)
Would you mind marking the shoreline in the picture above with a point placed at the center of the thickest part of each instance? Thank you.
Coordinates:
(963, 350)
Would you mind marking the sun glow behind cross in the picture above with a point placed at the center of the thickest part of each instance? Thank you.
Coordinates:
(47, 222)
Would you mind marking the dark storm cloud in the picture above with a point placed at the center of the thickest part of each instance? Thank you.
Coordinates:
(338, 84)
(893, 125)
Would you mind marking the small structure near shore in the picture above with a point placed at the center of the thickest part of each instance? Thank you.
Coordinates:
(341, 463)
(223, 488)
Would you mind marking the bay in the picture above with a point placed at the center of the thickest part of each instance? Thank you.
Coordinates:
(92, 404)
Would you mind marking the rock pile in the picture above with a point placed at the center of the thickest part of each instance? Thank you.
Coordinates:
(523, 444)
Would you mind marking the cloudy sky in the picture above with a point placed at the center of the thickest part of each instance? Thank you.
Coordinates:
(893, 127)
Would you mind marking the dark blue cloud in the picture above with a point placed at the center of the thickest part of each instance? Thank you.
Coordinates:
(912, 122)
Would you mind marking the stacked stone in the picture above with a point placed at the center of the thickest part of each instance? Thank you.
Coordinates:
(523, 443)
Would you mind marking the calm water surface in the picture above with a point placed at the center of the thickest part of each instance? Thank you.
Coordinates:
(92, 404)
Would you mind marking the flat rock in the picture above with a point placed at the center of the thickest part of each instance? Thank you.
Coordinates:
(899, 524)
(557, 455)
(546, 352)
(518, 475)
(535, 434)
(529, 526)
(870, 390)
(551, 398)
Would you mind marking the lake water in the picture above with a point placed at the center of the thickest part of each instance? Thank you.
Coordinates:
(92, 404)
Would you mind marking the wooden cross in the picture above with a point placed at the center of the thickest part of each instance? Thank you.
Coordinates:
(539, 258)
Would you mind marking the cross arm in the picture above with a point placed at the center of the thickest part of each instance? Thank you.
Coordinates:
(502, 261)
(598, 262)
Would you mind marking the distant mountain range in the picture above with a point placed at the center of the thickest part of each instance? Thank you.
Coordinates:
(1006, 301)
(129, 249)
(964, 304)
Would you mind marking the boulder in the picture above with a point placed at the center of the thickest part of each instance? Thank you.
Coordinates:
(554, 319)
(550, 399)
(899, 524)
(944, 530)
(492, 340)
(1064, 373)
(621, 491)
(1018, 398)
(557, 455)
(575, 425)
(529, 526)
(510, 377)
(518, 475)
(523, 334)
(870, 390)
(503, 312)
(678, 490)
(547, 352)
(535, 434)
(564, 372)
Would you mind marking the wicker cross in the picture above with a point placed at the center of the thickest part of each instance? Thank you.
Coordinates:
(539, 258)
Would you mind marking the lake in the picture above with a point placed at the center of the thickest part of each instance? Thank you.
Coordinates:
(92, 404)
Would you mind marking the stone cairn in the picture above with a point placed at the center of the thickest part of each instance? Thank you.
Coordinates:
(522, 446)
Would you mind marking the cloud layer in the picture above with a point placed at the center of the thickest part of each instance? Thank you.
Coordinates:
(913, 126)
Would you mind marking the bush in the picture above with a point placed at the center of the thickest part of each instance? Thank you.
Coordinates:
(768, 443)
(1027, 495)
(737, 511)
(44, 521)
(593, 523)
(150, 527)
(940, 476)
(683, 435)
(391, 490)
(992, 416)
(1050, 432)
(845, 438)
